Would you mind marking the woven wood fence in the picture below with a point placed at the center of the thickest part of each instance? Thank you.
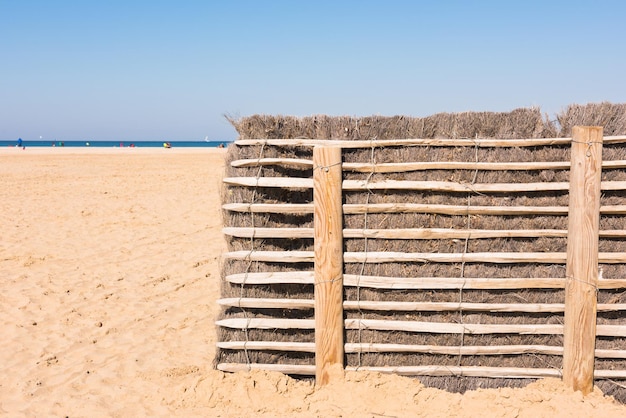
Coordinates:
(323, 268)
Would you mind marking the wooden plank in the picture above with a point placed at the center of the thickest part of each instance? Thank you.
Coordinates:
(244, 232)
(263, 162)
(468, 165)
(398, 257)
(455, 165)
(582, 259)
(266, 323)
(279, 182)
(292, 369)
(276, 303)
(416, 326)
(411, 166)
(291, 208)
(304, 208)
(407, 142)
(529, 142)
(267, 346)
(408, 283)
(328, 267)
(410, 233)
(406, 233)
(302, 163)
(489, 350)
(442, 186)
(466, 371)
(482, 371)
(471, 371)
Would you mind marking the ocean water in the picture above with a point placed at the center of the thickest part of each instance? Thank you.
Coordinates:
(139, 144)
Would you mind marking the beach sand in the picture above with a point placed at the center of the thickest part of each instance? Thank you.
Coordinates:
(109, 276)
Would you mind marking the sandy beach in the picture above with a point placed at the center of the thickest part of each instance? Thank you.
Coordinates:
(109, 276)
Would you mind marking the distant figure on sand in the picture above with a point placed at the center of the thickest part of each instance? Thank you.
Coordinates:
(19, 142)
(167, 145)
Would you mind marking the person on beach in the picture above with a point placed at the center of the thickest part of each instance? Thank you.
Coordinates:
(19, 142)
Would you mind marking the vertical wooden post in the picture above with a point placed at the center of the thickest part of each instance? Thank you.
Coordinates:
(579, 334)
(328, 244)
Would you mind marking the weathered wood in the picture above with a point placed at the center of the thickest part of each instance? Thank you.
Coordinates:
(262, 162)
(411, 233)
(471, 371)
(275, 303)
(488, 350)
(282, 182)
(382, 282)
(267, 346)
(392, 257)
(482, 371)
(579, 334)
(442, 186)
(408, 142)
(468, 165)
(406, 233)
(328, 249)
(416, 326)
(293, 208)
(528, 142)
(352, 209)
(291, 369)
(422, 165)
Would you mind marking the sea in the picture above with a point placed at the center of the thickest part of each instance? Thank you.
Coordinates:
(139, 144)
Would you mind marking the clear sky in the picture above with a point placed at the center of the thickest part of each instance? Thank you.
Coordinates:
(157, 70)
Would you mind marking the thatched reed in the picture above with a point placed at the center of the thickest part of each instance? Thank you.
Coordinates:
(520, 123)
(608, 115)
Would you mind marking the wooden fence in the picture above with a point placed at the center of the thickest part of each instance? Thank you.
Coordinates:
(582, 259)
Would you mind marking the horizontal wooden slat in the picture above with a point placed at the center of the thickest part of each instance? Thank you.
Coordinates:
(269, 303)
(530, 142)
(262, 162)
(443, 186)
(468, 165)
(291, 208)
(398, 257)
(405, 233)
(421, 165)
(483, 371)
(381, 282)
(268, 346)
(410, 233)
(351, 209)
(488, 350)
(407, 142)
(292, 369)
(471, 350)
(283, 182)
(467, 371)
(416, 326)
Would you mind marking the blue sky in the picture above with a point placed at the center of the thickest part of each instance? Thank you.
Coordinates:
(155, 70)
